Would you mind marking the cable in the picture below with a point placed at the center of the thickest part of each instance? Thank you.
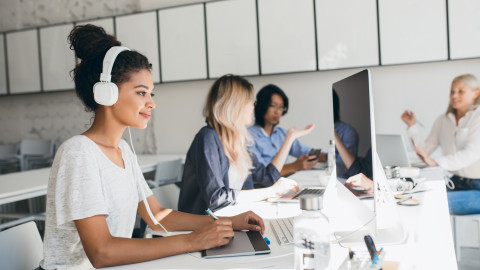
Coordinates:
(131, 143)
(147, 206)
(449, 182)
(338, 240)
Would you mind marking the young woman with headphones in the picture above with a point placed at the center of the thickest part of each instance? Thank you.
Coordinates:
(96, 187)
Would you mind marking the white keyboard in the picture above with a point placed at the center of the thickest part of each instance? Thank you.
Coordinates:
(283, 230)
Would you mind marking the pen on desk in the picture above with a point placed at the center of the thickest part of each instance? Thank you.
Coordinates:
(404, 200)
(418, 191)
(370, 246)
(210, 213)
(351, 253)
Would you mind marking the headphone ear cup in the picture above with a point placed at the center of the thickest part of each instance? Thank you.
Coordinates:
(105, 93)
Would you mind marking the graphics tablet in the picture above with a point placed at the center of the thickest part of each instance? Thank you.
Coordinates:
(242, 244)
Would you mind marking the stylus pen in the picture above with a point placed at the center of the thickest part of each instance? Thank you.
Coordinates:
(210, 213)
(418, 122)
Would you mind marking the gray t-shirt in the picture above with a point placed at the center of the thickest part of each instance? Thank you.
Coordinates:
(83, 183)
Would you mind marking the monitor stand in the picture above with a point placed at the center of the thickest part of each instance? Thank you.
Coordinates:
(382, 223)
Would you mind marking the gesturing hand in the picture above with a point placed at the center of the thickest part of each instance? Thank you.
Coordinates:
(294, 133)
(409, 118)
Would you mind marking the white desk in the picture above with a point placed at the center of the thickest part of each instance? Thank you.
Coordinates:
(429, 243)
(29, 184)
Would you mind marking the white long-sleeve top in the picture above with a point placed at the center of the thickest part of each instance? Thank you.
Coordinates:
(460, 144)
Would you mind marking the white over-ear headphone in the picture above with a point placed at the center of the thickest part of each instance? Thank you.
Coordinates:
(105, 92)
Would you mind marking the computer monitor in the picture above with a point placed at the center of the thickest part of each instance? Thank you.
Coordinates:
(356, 111)
(353, 116)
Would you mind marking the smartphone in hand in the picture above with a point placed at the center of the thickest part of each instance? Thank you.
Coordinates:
(316, 153)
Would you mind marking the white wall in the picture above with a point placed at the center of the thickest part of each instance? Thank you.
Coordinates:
(423, 88)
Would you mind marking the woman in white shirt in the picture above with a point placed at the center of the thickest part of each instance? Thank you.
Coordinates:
(457, 132)
(96, 187)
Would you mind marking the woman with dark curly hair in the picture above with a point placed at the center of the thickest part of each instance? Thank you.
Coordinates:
(96, 187)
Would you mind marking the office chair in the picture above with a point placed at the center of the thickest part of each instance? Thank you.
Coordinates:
(166, 172)
(165, 188)
(21, 247)
(36, 154)
(466, 232)
(9, 161)
(167, 196)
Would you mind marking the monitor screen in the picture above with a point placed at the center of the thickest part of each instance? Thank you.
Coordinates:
(353, 124)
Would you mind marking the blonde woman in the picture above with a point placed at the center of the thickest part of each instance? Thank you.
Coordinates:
(219, 170)
(457, 132)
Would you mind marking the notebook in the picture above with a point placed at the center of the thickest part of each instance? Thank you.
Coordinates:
(242, 244)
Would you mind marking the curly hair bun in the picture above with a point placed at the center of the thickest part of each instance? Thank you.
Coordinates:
(90, 41)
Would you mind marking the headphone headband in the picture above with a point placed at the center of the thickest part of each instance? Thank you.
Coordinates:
(105, 92)
(108, 61)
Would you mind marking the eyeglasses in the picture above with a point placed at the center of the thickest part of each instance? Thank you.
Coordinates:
(276, 107)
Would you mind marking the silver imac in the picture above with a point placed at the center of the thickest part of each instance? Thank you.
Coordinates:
(378, 217)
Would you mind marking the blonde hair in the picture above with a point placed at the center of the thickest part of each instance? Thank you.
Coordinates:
(472, 82)
(224, 110)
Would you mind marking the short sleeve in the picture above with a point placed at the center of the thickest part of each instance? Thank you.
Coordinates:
(79, 191)
(253, 147)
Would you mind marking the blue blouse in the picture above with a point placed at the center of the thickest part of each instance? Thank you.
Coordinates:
(205, 176)
(266, 147)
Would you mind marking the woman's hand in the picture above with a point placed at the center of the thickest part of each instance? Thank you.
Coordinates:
(426, 158)
(359, 180)
(295, 134)
(409, 118)
(215, 234)
(305, 162)
(284, 186)
(247, 221)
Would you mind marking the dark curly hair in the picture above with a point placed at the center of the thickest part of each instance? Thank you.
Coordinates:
(90, 44)
(264, 98)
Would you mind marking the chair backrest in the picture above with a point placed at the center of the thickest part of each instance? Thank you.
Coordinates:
(8, 150)
(37, 147)
(167, 195)
(21, 247)
(168, 171)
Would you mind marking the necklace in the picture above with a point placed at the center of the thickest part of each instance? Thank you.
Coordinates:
(107, 146)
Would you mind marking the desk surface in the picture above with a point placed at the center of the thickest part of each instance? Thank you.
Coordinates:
(429, 243)
(29, 184)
